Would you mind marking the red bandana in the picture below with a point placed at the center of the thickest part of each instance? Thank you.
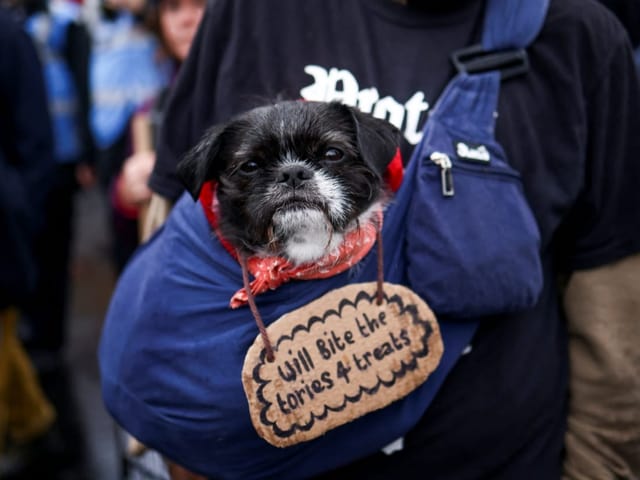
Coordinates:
(271, 272)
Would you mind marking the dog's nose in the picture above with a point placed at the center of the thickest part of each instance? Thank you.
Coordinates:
(294, 175)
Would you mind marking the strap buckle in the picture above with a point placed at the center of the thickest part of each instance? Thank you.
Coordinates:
(475, 59)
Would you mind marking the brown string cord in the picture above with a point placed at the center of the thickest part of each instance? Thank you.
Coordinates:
(254, 309)
(380, 279)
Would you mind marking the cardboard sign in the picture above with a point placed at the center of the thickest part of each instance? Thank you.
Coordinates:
(338, 358)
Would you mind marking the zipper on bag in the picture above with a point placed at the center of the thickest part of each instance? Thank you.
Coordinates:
(446, 175)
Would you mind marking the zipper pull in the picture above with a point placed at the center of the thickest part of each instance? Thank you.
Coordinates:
(446, 176)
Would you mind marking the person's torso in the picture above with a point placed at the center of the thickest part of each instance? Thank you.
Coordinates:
(394, 63)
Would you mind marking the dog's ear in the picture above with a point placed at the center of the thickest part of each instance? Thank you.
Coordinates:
(201, 163)
(378, 140)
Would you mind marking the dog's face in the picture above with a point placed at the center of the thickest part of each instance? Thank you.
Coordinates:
(293, 177)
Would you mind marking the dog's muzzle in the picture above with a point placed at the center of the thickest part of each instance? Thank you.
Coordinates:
(294, 176)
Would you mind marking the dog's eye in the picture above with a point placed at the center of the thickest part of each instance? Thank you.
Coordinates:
(333, 154)
(249, 167)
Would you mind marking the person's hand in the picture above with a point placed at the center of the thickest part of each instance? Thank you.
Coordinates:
(176, 472)
(85, 175)
(132, 189)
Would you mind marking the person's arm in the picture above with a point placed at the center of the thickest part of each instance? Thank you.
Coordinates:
(603, 307)
(78, 56)
(602, 299)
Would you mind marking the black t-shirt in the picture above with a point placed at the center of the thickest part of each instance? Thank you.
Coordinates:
(570, 126)
(362, 53)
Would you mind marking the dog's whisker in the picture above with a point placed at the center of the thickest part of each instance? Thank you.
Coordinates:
(330, 238)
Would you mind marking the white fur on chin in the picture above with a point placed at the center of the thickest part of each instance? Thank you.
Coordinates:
(310, 236)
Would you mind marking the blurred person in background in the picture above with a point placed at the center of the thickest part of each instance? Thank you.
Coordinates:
(26, 169)
(175, 22)
(62, 40)
(126, 71)
(129, 68)
(63, 44)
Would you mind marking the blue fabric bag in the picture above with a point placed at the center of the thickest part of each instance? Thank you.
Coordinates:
(171, 351)
(473, 244)
(481, 253)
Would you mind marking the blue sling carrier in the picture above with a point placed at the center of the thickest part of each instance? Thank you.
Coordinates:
(172, 351)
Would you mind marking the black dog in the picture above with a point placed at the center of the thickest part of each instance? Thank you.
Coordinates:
(294, 177)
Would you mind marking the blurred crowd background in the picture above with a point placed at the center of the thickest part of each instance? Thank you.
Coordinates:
(82, 87)
(105, 69)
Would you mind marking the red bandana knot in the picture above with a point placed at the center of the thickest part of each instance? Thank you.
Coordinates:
(271, 272)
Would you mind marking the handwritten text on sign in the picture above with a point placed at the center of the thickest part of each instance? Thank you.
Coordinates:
(338, 358)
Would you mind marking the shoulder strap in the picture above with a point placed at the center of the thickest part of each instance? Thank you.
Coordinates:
(509, 27)
(512, 24)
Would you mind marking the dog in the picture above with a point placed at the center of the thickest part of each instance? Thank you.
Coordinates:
(293, 178)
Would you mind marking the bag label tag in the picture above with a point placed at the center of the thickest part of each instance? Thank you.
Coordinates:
(472, 152)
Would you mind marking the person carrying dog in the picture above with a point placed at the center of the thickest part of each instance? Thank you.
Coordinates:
(568, 126)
